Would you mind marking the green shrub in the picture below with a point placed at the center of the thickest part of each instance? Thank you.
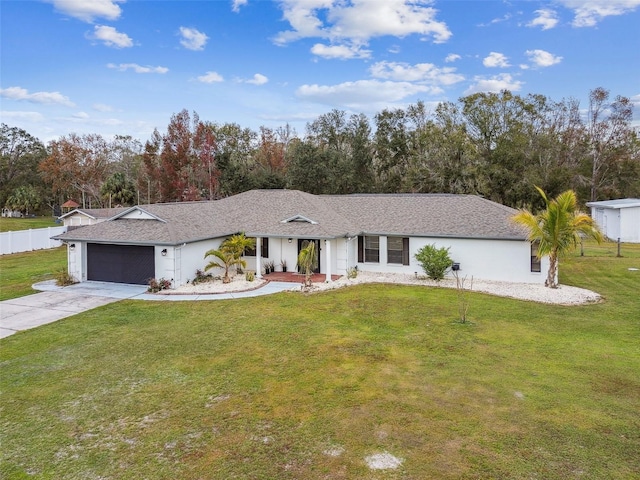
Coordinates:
(250, 276)
(63, 278)
(156, 285)
(202, 277)
(435, 261)
(352, 273)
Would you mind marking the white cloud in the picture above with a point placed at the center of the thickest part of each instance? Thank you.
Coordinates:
(589, 12)
(111, 37)
(495, 84)
(101, 107)
(211, 77)
(236, 4)
(360, 20)
(420, 72)
(495, 59)
(22, 116)
(192, 39)
(81, 115)
(545, 19)
(340, 51)
(361, 94)
(496, 20)
(48, 98)
(123, 67)
(258, 79)
(541, 58)
(452, 57)
(88, 10)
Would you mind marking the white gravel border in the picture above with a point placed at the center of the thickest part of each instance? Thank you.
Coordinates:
(563, 295)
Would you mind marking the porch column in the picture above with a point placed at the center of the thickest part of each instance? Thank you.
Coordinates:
(327, 250)
(258, 258)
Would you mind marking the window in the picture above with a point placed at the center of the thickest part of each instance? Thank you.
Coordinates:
(369, 249)
(535, 261)
(398, 250)
(264, 249)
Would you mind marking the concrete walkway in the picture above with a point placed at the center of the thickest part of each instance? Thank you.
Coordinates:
(55, 303)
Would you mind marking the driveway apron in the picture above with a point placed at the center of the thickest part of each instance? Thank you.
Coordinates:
(42, 308)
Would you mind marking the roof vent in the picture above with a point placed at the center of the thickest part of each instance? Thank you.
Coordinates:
(299, 218)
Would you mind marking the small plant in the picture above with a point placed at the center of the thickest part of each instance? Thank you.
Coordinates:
(202, 277)
(307, 261)
(156, 285)
(352, 273)
(435, 261)
(463, 295)
(250, 276)
(283, 264)
(63, 279)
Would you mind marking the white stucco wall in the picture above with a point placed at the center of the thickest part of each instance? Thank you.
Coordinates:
(501, 260)
(622, 223)
(76, 261)
(181, 262)
(630, 224)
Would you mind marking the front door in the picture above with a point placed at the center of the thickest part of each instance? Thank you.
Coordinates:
(302, 243)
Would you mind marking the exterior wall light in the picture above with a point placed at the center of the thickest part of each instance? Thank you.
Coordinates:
(290, 240)
(164, 252)
(72, 246)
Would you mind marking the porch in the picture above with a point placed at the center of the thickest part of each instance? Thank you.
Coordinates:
(295, 277)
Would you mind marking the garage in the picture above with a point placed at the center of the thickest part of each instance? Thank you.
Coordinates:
(120, 263)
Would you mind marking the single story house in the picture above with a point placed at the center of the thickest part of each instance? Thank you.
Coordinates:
(88, 216)
(618, 219)
(370, 232)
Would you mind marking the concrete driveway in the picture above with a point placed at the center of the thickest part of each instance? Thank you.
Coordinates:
(42, 308)
(55, 303)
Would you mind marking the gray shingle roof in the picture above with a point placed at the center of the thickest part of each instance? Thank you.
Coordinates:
(265, 213)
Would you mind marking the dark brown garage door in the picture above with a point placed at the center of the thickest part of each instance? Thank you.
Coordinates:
(120, 263)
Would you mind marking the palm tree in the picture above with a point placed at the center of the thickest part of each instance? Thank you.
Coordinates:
(308, 261)
(557, 229)
(229, 254)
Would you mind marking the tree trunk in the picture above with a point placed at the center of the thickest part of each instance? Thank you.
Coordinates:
(553, 271)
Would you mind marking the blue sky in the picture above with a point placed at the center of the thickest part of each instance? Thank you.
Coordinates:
(125, 66)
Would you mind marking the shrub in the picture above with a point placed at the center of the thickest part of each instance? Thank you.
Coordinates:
(63, 278)
(157, 285)
(435, 261)
(250, 276)
(202, 277)
(352, 272)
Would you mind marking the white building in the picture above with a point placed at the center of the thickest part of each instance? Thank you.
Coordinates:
(618, 219)
(375, 233)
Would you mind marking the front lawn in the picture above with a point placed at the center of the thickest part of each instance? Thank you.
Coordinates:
(306, 387)
(19, 271)
(15, 224)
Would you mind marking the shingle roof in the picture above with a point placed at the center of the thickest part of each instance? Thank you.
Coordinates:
(283, 213)
(95, 212)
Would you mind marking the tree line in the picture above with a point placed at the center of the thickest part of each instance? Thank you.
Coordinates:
(498, 145)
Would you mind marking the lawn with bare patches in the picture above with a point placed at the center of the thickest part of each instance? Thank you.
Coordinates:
(373, 381)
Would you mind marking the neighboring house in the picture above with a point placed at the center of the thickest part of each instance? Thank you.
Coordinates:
(8, 213)
(618, 219)
(376, 233)
(89, 216)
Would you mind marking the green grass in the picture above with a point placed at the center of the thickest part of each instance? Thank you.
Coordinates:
(15, 224)
(262, 388)
(21, 270)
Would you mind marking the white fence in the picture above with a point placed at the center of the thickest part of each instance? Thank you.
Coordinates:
(27, 240)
